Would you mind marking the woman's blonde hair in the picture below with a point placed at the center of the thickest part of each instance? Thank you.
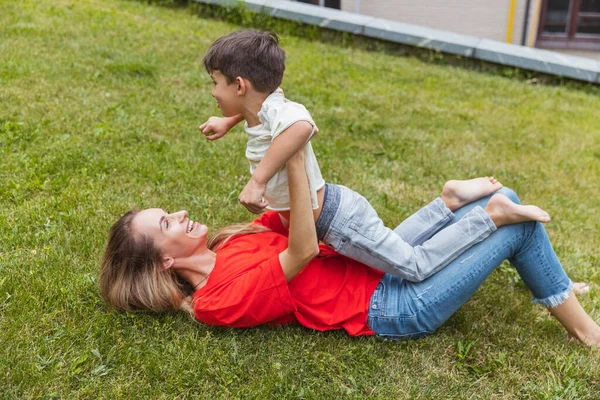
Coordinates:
(131, 278)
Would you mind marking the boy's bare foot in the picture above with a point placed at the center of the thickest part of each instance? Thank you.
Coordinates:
(504, 212)
(456, 194)
(581, 288)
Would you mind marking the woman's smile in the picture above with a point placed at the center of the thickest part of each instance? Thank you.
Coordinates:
(195, 229)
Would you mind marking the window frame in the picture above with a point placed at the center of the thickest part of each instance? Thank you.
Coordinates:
(569, 39)
(316, 3)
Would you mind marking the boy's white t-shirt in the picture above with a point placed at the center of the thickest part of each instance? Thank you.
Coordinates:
(276, 115)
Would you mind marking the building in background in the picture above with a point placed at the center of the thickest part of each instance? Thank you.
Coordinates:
(568, 26)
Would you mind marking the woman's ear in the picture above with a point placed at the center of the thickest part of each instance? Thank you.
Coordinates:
(167, 263)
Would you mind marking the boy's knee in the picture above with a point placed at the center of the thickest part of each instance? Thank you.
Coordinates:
(511, 194)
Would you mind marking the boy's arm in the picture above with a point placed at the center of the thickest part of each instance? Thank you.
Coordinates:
(283, 147)
(219, 126)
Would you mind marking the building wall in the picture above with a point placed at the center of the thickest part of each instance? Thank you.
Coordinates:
(482, 18)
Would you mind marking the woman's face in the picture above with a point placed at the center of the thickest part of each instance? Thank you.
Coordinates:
(175, 235)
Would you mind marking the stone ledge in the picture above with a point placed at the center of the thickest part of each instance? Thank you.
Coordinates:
(418, 36)
(528, 58)
(309, 14)
(548, 62)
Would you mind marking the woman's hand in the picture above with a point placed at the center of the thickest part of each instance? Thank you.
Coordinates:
(303, 245)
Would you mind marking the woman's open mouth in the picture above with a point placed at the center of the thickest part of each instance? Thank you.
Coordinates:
(190, 226)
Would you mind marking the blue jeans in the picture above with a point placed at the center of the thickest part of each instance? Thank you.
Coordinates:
(349, 225)
(401, 309)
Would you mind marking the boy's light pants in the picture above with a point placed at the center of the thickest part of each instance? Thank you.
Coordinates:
(354, 229)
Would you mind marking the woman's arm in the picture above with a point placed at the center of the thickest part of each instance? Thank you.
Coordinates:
(283, 147)
(302, 245)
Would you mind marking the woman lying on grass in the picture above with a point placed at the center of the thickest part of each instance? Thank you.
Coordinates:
(262, 272)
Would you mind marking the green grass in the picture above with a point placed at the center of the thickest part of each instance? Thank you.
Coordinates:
(99, 106)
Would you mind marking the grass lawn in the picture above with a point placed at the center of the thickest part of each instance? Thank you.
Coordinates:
(99, 106)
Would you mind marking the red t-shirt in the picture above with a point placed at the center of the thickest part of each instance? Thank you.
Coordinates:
(247, 286)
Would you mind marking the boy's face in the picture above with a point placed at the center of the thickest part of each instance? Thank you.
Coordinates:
(226, 95)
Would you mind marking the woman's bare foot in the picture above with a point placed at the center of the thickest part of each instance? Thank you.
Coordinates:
(456, 194)
(576, 321)
(591, 338)
(504, 212)
(589, 334)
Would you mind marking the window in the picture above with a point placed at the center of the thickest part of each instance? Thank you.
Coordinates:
(326, 3)
(570, 24)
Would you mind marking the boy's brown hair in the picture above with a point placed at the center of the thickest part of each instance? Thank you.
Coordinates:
(250, 54)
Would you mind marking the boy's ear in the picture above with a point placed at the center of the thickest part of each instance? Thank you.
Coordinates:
(167, 263)
(241, 85)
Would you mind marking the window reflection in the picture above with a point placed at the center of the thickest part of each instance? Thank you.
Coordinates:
(589, 26)
(557, 15)
(588, 22)
(590, 6)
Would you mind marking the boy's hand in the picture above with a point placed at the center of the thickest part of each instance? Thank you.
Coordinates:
(252, 197)
(215, 125)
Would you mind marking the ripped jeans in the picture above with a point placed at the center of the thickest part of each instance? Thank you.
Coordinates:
(400, 309)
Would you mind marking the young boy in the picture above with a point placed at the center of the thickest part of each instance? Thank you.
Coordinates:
(247, 69)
